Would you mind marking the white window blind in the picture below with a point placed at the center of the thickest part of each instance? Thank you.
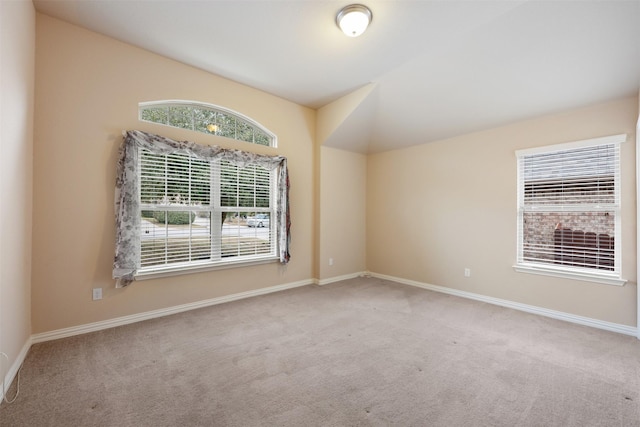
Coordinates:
(195, 212)
(569, 207)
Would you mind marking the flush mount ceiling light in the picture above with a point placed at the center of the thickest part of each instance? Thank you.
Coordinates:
(354, 19)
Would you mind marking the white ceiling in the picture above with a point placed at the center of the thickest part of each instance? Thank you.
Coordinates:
(437, 68)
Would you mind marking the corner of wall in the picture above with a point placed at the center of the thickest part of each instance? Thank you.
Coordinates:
(17, 65)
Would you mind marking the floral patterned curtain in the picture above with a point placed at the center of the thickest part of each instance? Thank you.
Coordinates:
(127, 254)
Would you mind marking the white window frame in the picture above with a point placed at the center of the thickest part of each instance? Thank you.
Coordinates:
(215, 261)
(586, 274)
(239, 117)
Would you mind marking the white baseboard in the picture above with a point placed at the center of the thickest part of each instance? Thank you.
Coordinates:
(15, 367)
(339, 278)
(586, 321)
(125, 320)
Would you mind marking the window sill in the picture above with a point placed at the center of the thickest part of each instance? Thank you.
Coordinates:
(604, 278)
(177, 270)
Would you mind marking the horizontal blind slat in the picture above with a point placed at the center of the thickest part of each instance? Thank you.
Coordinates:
(568, 206)
(171, 183)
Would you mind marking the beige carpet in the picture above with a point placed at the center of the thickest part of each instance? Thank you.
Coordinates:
(362, 352)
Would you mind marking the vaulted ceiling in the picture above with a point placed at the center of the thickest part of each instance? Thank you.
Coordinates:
(423, 71)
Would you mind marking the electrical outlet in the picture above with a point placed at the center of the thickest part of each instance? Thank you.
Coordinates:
(330, 261)
(97, 293)
(467, 272)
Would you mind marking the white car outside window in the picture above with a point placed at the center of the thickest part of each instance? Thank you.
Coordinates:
(260, 220)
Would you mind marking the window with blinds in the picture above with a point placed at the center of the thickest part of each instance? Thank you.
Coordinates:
(569, 208)
(196, 212)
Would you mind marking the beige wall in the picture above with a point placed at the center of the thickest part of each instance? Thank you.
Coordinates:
(637, 214)
(423, 213)
(17, 54)
(87, 91)
(438, 208)
(342, 213)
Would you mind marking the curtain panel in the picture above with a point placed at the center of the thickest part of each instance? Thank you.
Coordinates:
(127, 200)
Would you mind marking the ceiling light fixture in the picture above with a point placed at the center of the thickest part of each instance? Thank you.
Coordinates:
(354, 19)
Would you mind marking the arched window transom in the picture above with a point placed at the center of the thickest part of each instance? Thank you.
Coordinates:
(206, 118)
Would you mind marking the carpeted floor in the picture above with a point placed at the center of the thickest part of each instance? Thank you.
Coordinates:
(362, 352)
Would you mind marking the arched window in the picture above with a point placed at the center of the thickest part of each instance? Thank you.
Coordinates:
(206, 118)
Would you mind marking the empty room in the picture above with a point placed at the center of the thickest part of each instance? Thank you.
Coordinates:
(319, 213)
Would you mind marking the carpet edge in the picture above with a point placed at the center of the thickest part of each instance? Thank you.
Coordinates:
(541, 311)
(138, 317)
